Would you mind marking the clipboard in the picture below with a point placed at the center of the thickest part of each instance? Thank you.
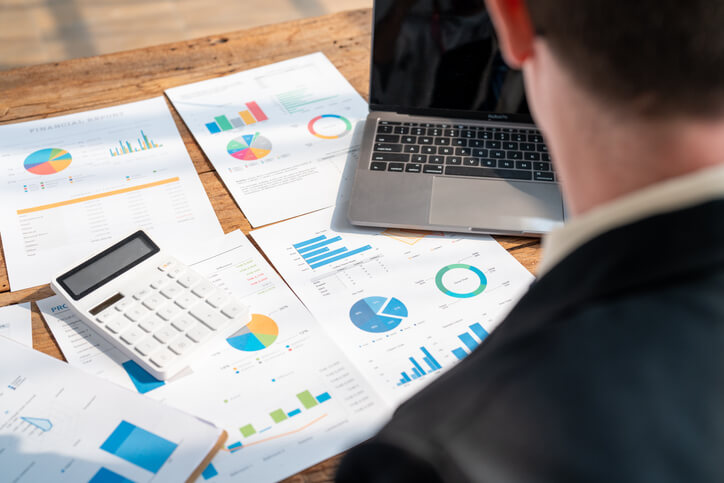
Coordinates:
(205, 462)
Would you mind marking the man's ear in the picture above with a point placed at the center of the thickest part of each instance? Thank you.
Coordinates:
(515, 29)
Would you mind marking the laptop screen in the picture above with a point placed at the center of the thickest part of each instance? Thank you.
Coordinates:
(441, 58)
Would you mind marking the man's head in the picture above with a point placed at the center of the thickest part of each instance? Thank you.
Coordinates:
(627, 93)
(652, 57)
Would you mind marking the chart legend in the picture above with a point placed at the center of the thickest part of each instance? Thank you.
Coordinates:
(317, 252)
(251, 115)
(47, 161)
(469, 341)
(143, 144)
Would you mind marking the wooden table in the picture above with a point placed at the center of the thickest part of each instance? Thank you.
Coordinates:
(91, 83)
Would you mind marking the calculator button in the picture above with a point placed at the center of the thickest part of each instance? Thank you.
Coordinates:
(183, 322)
(186, 300)
(175, 272)
(123, 304)
(172, 290)
(165, 334)
(107, 315)
(167, 265)
(151, 323)
(169, 311)
(202, 312)
(117, 324)
(132, 335)
(232, 310)
(188, 279)
(147, 346)
(136, 312)
(154, 301)
(180, 345)
(203, 289)
(142, 294)
(163, 358)
(209, 317)
(198, 333)
(217, 299)
(159, 282)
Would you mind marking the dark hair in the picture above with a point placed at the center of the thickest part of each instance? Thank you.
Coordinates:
(659, 57)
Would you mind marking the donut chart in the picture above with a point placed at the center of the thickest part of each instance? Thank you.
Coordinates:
(329, 126)
(249, 147)
(461, 278)
(258, 334)
(47, 161)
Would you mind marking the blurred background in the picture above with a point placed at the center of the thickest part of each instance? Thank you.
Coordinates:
(40, 31)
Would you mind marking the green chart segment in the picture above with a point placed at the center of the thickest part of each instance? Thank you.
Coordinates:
(482, 281)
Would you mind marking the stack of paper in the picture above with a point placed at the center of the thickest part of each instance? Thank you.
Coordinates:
(59, 424)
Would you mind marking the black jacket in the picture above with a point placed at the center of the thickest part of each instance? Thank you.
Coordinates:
(610, 369)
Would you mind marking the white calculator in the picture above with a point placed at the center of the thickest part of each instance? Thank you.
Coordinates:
(153, 308)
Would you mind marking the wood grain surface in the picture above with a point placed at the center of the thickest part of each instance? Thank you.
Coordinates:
(95, 82)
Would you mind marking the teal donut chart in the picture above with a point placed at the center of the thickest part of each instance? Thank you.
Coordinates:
(447, 291)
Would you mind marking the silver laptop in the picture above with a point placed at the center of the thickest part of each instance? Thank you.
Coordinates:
(449, 143)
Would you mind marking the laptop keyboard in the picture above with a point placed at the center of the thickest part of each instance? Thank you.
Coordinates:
(460, 150)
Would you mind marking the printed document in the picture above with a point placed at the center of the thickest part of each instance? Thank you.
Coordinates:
(279, 135)
(59, 424)
(70, 185)
(16, 323)
(285, 393)
(404, 306)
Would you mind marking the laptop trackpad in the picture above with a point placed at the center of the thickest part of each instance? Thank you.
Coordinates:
(496, 205)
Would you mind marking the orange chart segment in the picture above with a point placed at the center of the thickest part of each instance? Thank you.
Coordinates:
(258, 334)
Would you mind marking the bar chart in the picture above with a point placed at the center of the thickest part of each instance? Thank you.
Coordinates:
(125, 147)
(317, 251)
(306, 401)
(138, 446)
(251, 115)
(469, 341)
(417, 371)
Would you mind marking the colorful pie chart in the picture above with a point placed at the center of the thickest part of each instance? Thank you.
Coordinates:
(377, 314)
(48, 161)
(258, 334)
(249, 147)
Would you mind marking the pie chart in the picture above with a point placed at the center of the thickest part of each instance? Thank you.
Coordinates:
(249, 147)
(377, 314)
(258, 334)
(48, 161)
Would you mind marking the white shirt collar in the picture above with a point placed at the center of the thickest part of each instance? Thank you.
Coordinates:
(673, 194)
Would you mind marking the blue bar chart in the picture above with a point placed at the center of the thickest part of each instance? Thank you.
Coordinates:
(469, 341)
(319, 251)
(417, 371)
(138, 446)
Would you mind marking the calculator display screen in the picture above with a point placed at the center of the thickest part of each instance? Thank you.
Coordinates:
(107, 265)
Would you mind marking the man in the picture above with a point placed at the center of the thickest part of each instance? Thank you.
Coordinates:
(611, 368)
